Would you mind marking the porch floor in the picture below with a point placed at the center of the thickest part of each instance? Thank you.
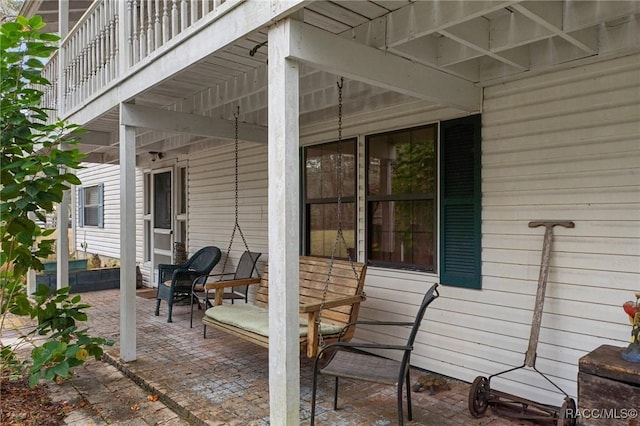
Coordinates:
(222, 380)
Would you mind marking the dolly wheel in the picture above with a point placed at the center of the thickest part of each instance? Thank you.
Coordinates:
(568, 413)
(479, 396)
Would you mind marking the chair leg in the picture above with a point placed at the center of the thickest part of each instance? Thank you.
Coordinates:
(335, 395)
(314, 383)
(408, 385)
(400, 416)
(191, 316)
(204, 331)
(170, 303)
(158, 307)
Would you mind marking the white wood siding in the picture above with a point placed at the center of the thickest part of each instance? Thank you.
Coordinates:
(106, 241)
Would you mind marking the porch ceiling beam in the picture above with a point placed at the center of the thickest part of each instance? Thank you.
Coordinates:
(549, 16)
(96, 138)
(423, 18)
(515, 30)
(475, 35)
(180, 122)
(583, 14)
(356, 61)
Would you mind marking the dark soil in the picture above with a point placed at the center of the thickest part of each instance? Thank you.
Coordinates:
(25, 406)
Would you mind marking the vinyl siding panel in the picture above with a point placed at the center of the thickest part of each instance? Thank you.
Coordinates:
(563, 146)
(211, 188)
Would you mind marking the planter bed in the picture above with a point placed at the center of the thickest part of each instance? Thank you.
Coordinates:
(86, 280)
(74, 265)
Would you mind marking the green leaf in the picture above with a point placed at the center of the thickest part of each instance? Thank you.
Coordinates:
(36, 22)
(49, 37)
(11, 26)
(34, 379)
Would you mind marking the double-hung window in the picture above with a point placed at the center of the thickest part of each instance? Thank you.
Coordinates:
(91, 205)
(329, 170)
(416, 179)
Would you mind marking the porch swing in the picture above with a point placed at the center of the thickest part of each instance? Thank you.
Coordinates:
(331, 291)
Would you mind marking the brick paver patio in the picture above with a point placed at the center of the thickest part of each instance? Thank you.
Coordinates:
(222, 380)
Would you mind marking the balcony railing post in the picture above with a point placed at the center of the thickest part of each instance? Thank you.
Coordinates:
(124, 36)
(63, 28)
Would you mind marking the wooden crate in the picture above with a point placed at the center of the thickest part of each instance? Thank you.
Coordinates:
(608, 389)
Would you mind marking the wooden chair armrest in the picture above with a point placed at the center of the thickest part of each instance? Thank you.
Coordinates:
(221, 274)
(231, 283)
(330, 303)
(219, 287)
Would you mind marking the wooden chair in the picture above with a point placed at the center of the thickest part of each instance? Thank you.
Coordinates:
(200, 292)
(346, 361)
(177, 280)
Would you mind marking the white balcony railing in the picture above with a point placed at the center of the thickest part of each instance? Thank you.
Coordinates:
(103, 45)
(50, 93)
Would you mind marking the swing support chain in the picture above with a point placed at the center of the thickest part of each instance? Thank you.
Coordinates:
(236, 116)
(339, 234)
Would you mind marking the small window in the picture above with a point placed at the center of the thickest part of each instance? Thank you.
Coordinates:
(91, 206)
(401, 198)
(320, 191)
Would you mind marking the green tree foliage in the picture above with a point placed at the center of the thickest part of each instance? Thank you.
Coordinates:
(34, 175)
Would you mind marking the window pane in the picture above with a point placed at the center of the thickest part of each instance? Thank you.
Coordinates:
(321, 164)
(323, 227)
(162, 200)
(402, 232)
(182, 187)
(402, 162)
(313, 172)
(91, 196)
(91, 216)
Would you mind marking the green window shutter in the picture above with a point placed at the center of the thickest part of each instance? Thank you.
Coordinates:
(460, 151)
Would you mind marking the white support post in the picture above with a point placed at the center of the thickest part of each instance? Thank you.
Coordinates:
(127, 242)
(62, 213)
(62, 241)
(284, 350)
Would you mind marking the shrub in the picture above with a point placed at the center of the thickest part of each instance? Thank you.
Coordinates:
(35, 173)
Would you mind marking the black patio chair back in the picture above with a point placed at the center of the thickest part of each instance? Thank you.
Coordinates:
(347, 359)
(246, 266)
(176, 280)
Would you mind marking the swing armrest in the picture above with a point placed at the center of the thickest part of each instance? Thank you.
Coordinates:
(219, 287)
(224, 274)
(331, 303)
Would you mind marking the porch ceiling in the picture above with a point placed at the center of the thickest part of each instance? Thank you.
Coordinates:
(477, 41)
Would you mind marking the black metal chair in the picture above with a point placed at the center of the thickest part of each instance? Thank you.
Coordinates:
(246, 266)
(346, 359)
(177, 280)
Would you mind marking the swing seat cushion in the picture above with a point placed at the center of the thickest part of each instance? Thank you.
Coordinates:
(255, 319)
